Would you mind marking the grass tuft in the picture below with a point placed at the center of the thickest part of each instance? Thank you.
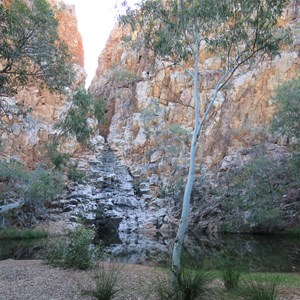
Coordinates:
(260, 287)
(106, 281)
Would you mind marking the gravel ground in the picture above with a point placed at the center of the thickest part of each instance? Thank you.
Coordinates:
(33, 280)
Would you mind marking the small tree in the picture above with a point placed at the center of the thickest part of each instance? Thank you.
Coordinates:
(178, 31)
(287, 113)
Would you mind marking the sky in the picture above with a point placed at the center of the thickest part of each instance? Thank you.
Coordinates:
(96, 19)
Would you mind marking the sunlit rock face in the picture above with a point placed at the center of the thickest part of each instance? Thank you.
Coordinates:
(149, 107)
(35, 108)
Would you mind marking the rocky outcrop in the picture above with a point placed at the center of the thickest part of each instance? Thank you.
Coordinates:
(150, 114)
(107, 200)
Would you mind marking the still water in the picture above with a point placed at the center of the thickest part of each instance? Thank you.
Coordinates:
(269, 253)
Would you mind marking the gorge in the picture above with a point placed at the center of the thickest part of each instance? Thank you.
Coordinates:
(137, 161)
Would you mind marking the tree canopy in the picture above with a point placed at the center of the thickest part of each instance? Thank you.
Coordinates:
(31, 48)
(287, 110)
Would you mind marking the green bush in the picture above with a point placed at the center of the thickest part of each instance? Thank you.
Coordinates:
(287, 114)
(122, 75)
(17, 234)
(99, 110)
(253, 196)
(74, 174)
(75, 122)
(45, 186)
(191, 284)
(106, 281)
(58, 159)
(259, 288)
(74, 253)
(12, 171)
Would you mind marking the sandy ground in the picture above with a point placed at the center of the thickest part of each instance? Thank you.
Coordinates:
(34, 280)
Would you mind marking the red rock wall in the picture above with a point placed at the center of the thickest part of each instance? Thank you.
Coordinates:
(143, 109)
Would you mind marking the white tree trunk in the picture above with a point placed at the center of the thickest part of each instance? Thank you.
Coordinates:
(177, 249)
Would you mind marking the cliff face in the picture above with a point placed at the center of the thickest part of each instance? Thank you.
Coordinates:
(149, 115)
(30, 131)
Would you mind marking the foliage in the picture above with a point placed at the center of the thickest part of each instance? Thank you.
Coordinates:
(255, 195)
(16, 234)
(31, 48)
(230, 272)
(75, 122)
(192, 284)
(12, 171)
(75, 253)
(75, 174)
(58, 159)
(136, 184)
(106, 281)
(287, 105)
(121, 74)
(259, 288)
(45, 187)
(294, 231)
(99, 110)
(33, 187)
(184, 24)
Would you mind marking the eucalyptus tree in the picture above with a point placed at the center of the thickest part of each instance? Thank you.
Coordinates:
(30, 47)
(180, 31)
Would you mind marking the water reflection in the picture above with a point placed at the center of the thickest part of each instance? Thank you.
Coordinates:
(251, 252)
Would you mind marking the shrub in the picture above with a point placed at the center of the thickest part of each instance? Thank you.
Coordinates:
(75, 122)
(58, 159)
(259, 288)
(253, 196)
(74, 253)
(12, 171)
(191, 284)
(106, 281)
(99, 110)
(122, 75)
(74, 174)
(287, 105)
(45, 186)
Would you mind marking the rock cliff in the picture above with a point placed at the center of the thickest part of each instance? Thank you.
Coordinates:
(149, 106)
(30, 131)
(149, 112)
